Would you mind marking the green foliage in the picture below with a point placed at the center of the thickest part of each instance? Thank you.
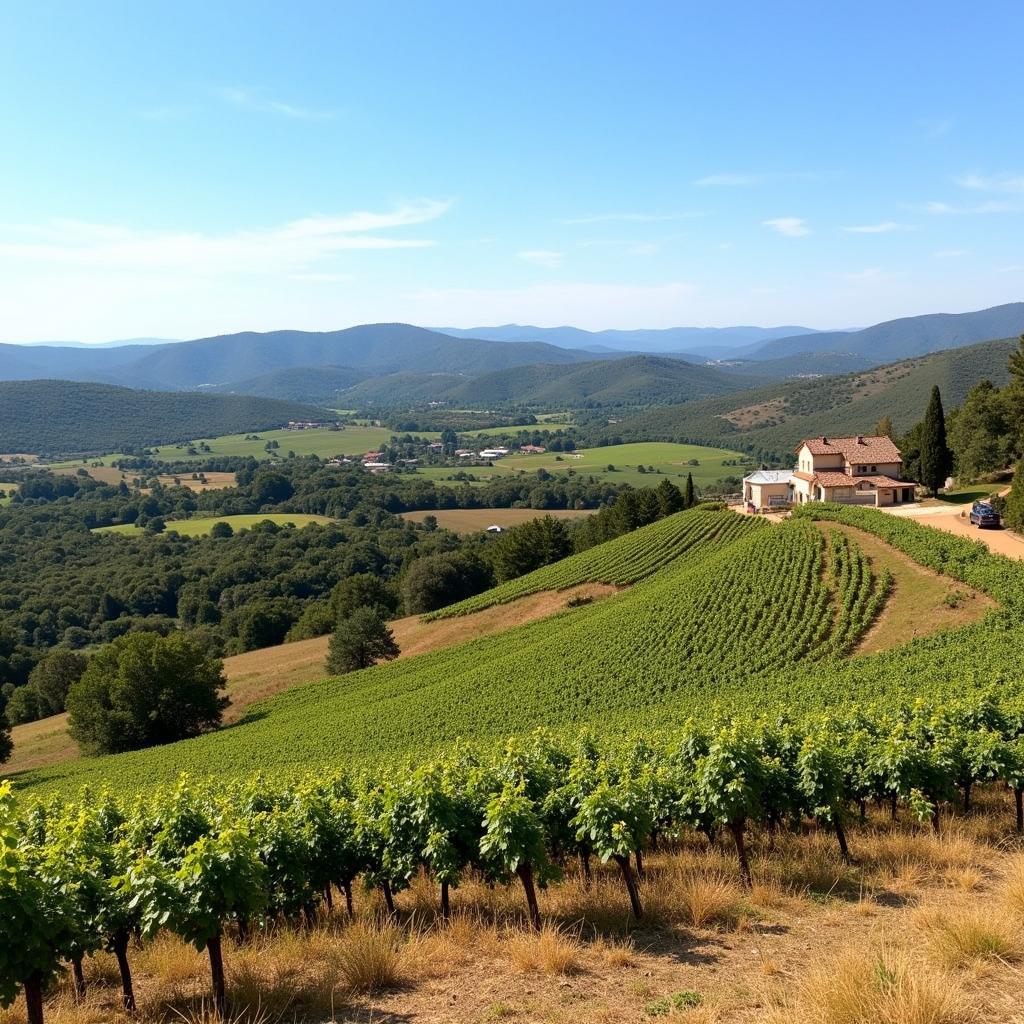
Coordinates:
(936, 459)
(360, 640)
(58, 417)
(529, 546)
(981, 435)
(1015, 500)
(435, 581)
(144, 690)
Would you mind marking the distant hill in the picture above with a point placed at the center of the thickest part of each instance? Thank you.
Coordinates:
(903, 338)
(633, 380)
(206, 362)
(318, 385)
(712, 341)
(774, 418)
(57, 417)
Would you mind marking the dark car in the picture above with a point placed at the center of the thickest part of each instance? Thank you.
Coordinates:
(983, 514)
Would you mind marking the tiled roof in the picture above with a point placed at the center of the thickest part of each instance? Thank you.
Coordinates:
(855, 450)
(770, 476)
(800, 475)
(844, 480)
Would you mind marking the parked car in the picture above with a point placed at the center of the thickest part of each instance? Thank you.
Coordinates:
(983, 514)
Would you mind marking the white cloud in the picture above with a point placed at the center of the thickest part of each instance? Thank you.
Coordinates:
(636, 218)
(543, 258)
(999, 183)
(727, 180)
(877, 229)
(255, 100)
(792, 227)
(992, 206)
(950, 254)
(291, 247)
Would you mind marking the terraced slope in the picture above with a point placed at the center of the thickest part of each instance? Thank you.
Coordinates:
(623, 561)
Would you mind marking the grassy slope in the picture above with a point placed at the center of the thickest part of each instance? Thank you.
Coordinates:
(201, 527)
(781, 415)
(717, 628)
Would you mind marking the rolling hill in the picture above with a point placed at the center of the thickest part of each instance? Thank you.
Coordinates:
(902, 338)
(722, 614)
(57, 417)
(206, 362)
(633, 380)
(774, 418)
(316, 385)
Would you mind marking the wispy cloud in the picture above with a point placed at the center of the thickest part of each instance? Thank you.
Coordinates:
(878, 229)
(996, 183)
(630, 246)
(792, 227)
(1013, 268)
(863, 276)
(728, 180)
(633, 218)
(289, 248)
(990, 206)
(256, 100)
(950, 254)
(546, 258)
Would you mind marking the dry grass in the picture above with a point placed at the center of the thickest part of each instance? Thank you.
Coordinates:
(875, 986)
(963, 937)
(552, 950)
(1013, 886)
(698, 899)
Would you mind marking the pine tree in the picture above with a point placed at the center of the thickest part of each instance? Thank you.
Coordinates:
(1017, 361)
(936, 458)
(670, 498)
(689, 495)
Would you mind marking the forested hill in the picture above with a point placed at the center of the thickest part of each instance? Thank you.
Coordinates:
(633, 380)
(57, 417)
(772, 419)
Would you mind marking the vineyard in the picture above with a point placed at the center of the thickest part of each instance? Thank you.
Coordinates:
(713, 628)
(620, 562)
(205, 861)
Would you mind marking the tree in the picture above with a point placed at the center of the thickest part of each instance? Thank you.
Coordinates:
(1015, 500)
(53, 677)
(884, 428)
(363, 590)
(529, 546)
(438, 580)
(359, 641)
(936, 458)
(670, 498)
(144, 689)
(222, 529)
(6, 743)
(980, 433)
(689, 495)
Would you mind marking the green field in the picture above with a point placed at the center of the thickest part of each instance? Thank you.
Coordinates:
(354, 440)
(201, 527)
(725, 615)
(669, 460)
(6, 490)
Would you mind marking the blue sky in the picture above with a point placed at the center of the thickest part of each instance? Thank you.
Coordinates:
(212, 167)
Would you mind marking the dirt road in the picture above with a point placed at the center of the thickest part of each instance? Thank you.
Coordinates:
(954, 520)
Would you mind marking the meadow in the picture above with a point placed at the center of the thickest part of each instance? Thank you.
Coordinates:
(667, 459)
(202, 526)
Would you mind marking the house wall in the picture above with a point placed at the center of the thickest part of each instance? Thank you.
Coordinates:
(760, 495)
(893, 469)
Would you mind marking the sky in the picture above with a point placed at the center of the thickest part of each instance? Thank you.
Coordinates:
(189, 169)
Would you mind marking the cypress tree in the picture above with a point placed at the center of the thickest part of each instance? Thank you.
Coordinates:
(1015, 500)
(936, 458)
(689, 497)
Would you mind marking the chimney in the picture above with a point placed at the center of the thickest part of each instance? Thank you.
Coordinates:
(860, 439)
(824, 440)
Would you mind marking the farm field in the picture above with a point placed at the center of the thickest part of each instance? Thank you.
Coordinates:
(6, 490)
(201, 527)
(213, 481)
(469, 520)
(257, 675)
(668, 459)
(691, 634)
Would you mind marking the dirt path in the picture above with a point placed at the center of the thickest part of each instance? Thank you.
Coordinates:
(1002, 542)
(258, 674)
(920, 602)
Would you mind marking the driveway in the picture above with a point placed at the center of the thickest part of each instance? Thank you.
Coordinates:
(953, 519)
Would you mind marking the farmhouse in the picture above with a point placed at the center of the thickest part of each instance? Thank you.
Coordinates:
(532, 449)
(493, 453)
(859, 470)
(853, 470)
